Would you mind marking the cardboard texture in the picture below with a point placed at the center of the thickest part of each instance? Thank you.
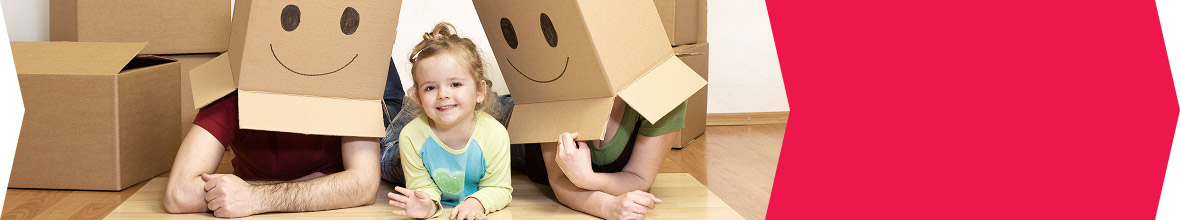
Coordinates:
(97, 117)
(564, 60)
(188, 112)
(703, 21)
(697, 58)
(169, 27)
(682, 20)
(305, 67)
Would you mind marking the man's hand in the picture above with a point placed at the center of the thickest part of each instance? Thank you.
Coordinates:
(574, 160)
(229, 196)
(469, 209)
(414, 203)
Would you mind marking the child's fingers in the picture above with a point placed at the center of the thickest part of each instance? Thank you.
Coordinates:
(400, 212)
(397, 204)
(398, 198)
(454, 213)
(403, 191)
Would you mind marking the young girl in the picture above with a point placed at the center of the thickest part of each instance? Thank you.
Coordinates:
(452, 154)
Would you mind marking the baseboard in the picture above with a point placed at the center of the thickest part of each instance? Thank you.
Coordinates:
(751, 118)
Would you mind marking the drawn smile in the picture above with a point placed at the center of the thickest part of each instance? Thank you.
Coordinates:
(272, 52)
(563, 69)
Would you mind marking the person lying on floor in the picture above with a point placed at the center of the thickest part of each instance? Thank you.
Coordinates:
(273, 171)
(609, 178)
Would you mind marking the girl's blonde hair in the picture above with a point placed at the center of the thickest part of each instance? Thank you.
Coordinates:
(443, 39)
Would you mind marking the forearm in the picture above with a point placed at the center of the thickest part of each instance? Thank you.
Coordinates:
(616, 183)
(345, 189)
(591, 202)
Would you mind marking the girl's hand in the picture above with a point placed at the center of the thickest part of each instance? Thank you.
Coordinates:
(574, 160)
(469, 209)
(632, 205)
(414, 203)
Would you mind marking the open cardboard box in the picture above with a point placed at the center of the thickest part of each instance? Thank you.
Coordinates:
(169, 27)
(566, 62)
(305, 67)
(97, 117)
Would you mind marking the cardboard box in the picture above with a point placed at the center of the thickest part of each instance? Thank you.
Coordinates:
(97, 117)
(702, 21)
(305, 67)
(169, 27)
(188, 112)
(682, 19)
(566, 62)
(696, 56)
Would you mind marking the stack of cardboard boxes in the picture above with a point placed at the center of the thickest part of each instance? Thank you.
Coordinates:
(687, 27)
(110, 108)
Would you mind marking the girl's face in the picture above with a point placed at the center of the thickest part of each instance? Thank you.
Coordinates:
(446, 89)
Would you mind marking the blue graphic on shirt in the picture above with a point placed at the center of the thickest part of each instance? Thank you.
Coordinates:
(456, 175)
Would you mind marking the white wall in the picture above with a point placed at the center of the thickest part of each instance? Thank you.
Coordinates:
(744, 74)
(744, 71)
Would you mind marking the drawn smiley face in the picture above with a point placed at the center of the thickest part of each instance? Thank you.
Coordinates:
(513, 42)
(289, 20)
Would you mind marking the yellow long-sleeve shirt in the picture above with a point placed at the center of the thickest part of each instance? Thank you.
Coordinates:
(480, 170)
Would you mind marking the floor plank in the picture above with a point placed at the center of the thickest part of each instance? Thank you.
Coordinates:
(737, 163)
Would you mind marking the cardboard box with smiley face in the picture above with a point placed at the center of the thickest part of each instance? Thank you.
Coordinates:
(311, 67)
(565, 63)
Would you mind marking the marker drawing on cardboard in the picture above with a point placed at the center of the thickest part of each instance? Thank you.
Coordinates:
(305, 67)
(607, 49)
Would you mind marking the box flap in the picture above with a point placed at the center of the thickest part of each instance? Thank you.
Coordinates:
(662, 89)
(544, 122)
(73, 58)
(211, 81)
(310, 115)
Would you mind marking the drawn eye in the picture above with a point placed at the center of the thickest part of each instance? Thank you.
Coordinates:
(349, 21)
(509, 32)
(290, 18)
(547, 29)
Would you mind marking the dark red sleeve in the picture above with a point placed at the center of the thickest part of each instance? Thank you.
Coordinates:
(220, 118)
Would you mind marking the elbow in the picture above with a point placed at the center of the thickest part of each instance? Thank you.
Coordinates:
(180, 202)
(367, 191)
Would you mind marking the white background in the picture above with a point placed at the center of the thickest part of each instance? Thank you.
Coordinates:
(744, 71)
(1169, 12)
(743, 68)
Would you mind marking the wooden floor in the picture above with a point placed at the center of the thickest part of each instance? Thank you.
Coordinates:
(736, 163)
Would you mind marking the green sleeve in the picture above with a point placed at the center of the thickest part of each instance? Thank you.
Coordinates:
(672, 121)
(495, 188)
(417, 178)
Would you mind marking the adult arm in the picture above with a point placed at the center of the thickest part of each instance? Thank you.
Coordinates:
(631, 205)
(199, 153)
(641, 169)
(229, 196)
